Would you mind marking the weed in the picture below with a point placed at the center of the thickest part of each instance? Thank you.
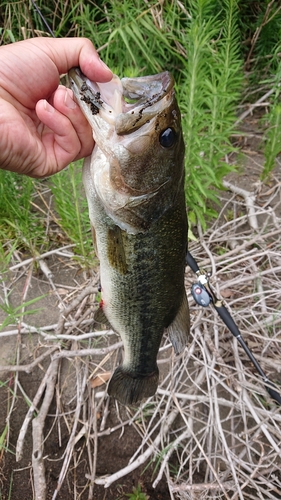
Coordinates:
(199, 41)
(273, 140)
(13, 314)
(208, 96)
(6, 253)
(18, 221)
(137, 494)
(3, 439)
(71, 206)
(273, 122)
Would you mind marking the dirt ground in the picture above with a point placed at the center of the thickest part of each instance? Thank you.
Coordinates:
(103, 440)
(114, 450)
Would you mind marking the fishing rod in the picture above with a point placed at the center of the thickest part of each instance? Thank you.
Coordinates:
(204, 295)
(43, 18)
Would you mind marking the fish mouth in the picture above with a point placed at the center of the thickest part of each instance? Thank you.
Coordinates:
(126, 104)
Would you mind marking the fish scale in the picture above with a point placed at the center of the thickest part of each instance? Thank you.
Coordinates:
(140, 229)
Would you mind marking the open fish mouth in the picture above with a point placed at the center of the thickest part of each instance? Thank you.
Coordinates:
(138, 144)
(126, 104)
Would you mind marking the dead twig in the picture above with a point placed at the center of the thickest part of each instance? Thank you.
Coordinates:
(28, 368)
(89, 290)
(42, 256)
(265, 20)
(38, 422)
(249, 198)
(211, 416)
(107, 481)
(33, 407)
(87, 352)
(81, 384)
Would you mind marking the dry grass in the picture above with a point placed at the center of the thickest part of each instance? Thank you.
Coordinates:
(211, 430)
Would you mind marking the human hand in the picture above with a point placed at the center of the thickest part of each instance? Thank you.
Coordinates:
(42, 129)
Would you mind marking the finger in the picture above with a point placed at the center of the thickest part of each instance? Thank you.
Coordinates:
(67, 53)
(33, 67)
(59, 138)
(63, 101)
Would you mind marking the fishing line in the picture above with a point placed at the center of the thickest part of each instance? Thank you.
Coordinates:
(204, 295)
(43, 18)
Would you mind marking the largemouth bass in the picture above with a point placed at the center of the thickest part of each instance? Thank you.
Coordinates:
(134, 183)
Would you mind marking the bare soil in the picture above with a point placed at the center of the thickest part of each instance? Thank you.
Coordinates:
(114, 450)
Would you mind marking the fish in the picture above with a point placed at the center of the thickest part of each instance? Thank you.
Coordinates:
(134, 184)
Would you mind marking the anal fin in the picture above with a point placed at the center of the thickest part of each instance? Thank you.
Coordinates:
(100, 317)
(179, 329)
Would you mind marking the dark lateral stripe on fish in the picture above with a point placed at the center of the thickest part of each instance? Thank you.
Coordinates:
(129, 389)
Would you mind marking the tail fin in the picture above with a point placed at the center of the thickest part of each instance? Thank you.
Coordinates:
(129, 389)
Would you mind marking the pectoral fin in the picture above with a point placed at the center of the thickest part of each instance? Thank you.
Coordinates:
(179, 329)
(100, 317)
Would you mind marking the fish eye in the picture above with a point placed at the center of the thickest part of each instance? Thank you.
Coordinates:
(167, 137)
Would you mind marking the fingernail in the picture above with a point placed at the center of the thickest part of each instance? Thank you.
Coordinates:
(68, 101)
(48, 107)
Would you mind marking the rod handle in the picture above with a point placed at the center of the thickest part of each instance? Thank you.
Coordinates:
(191, 262)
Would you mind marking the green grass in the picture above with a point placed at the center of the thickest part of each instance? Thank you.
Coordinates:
(208, 96)
(272, 139)
(71, 206)
(137, 494)
(26, 227)
(19, 221)
(204, 44)
(272, 120)
(15, 313)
